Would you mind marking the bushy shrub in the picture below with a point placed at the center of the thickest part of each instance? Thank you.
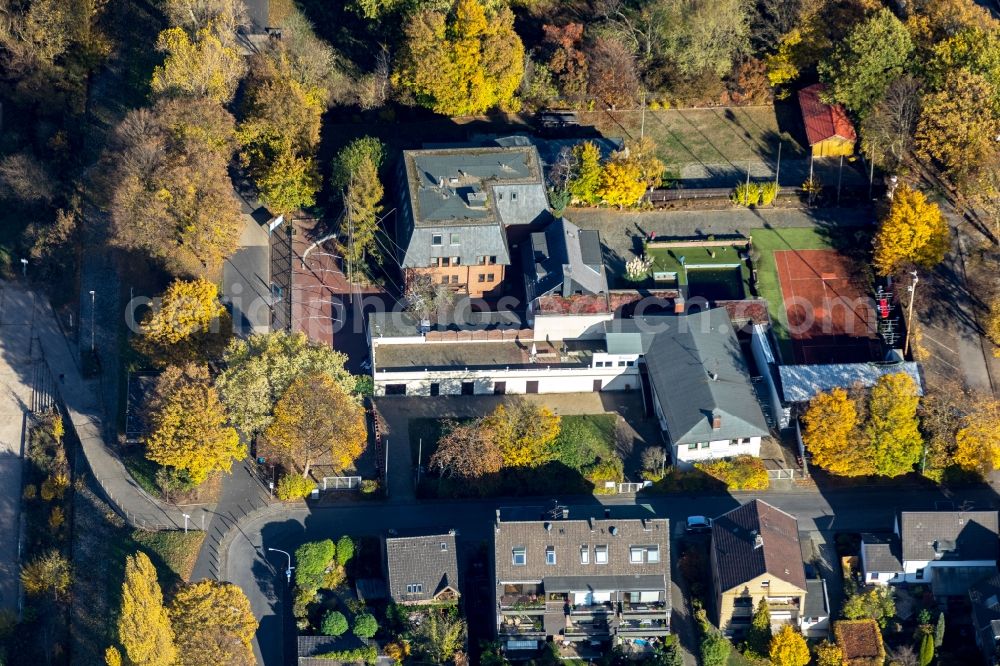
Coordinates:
(609, 469)
(345, 550)
(294, 487)
(369, 486)
(367, 655)
(365, 625)
(312, 560)
(739, 473)
(768, 193)
(746, 194)
(652, 458)
(637, 268)
(334, 623)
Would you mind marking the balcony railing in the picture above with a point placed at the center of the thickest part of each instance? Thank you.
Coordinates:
(522, 626)
(656, 607)
(606, 608)
(522, 601)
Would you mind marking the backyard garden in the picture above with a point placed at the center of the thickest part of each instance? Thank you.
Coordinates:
(519, 449)
(331, 579)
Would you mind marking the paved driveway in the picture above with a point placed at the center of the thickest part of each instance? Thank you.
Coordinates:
(17, 372)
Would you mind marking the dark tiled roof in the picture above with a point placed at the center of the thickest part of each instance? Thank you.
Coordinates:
(950, 535)
(823, 121)
(568, 536)
(881, 552)
(565, 259)
(741, 556)
(429, 561)
(683, 353)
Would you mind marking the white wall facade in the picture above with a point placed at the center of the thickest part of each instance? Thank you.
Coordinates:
(685, 457)
(550, 380)
(911, 567)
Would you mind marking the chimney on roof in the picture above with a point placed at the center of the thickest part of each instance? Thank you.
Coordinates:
(497, 524)
(758, 540)
(441, 183)
(607, 513)
(590, 521)
(613, 530)
(716, 421)
(548, 527)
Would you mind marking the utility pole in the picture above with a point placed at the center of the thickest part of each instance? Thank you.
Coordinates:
(777, 170)
(420, 457)
(642, 124)
(749, 163)
(386, 475)
(93, 314)
(909, 314)
(840, 177)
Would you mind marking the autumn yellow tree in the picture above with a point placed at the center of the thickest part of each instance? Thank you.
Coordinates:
(188, 427)
(214, 625)
(913, 233)
(199, 67)
(50, 572)
(978, 440)
(462, 62)
(621, 183)
(112, 657)
(315, 419)
(523, 432)
(789, 648)
(959, 124)
(144, 629)
(642, 152)
(892, 428)
(993, 324)
(832, 437)
(188, 324)
(829, 654)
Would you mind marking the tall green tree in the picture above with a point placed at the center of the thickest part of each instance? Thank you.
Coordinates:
(144, 628)
(261, 368)
(200, 67)
(759, 635)
(893, 427)
(585, 176)
(701, 35)
(874, 53)
(926, 655)
(355, 171)
(462, 62)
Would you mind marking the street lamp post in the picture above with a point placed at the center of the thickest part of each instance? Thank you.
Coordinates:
(24, 268)
(187, 517)
(909, 314)
(93, 315)
(288, 571)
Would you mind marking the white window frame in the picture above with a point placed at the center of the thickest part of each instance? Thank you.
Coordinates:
(523, 552)
(653, 554)
(550, 555)
(584, 555)
(636, 554)
(600, 550)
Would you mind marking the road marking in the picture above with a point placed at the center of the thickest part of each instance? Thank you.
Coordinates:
(947, 363)
(941, 344)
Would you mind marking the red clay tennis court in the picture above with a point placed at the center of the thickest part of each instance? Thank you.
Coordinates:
(830, 317)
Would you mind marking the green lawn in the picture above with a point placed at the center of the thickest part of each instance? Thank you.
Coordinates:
(710, 136)
(172, 550)
(766, 242)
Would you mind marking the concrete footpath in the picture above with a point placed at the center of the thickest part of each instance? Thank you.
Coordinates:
(82, 400)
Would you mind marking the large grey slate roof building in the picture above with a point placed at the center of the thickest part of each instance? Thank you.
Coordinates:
(421, 568)
(581, 579)
(456, 205)
(701, 386)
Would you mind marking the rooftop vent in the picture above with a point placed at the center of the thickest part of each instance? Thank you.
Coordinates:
(758, 540)
(548, 527)
(716, 421)
(613, 530)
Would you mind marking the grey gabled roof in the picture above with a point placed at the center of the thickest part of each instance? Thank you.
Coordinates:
(881, 553)
(473, 242)
(568, 536)
(948, 535)
(800, 383)
(566, 259)
(741, 556)
(428, 560)
(697, 371)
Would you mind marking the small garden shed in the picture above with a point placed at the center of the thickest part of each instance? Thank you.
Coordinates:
(828, 129)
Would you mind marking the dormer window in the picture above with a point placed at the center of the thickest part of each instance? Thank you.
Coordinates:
(550, 555)
(601, 554)
(584, 555)
(519, 556)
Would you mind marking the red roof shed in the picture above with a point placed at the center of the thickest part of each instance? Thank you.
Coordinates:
(828, 128)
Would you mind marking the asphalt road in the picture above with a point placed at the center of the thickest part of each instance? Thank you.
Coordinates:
(262, 578)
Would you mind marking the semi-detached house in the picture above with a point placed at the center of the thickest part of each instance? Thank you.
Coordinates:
(580, 580)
